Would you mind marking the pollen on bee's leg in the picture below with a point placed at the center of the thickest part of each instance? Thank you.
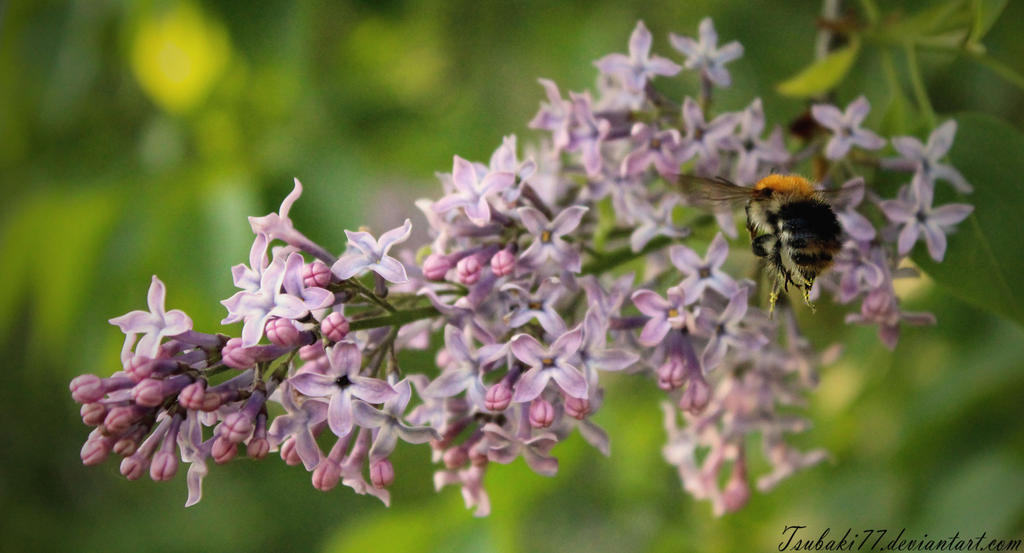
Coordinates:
(807, 296)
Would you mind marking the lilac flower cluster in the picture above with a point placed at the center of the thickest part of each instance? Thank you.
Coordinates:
(528, 280)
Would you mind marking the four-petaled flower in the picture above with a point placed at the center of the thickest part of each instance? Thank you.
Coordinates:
(556, 362)
(257, 307)
(154, 324)
(298, 424)
(925, 159)
(705, 54)
(702, 274)
(917, 216)
(340, 384)
(664, 314)
(845, 127)
(548, 243)
(372, 255)
(639, 66)
(705, 139)
(389, 424)
(473, 190)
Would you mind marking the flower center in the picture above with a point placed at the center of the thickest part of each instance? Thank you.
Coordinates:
(673, 312)
(534, 305)
(655, 143)
(545, 236)
(704, 272)
(343, 381)
(548, 362)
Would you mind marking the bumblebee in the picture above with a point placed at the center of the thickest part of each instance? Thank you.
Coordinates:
(792, 226)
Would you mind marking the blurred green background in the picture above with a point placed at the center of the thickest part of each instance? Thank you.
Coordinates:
(135, 137)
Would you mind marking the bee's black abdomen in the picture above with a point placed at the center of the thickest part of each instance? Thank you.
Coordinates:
(813, 259)
(810, 217)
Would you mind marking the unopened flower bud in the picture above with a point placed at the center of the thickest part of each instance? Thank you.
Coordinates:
(93, 413)
(223, 450)
(120, 418)
(316, 274)
(455, 457)
(498, 396)
(96, 449)
(382, 473)
(134, 467)
(191, 396)
(237, 427)
(468, 270)
(257, 448)
(290, 453)
(696, 396)
(282, 332)
(671, 374)
(235, 355)
(87, 388)
(435, 266)
(163, 466)
(326, 474)
(334, 327)
(577, 408)
(313, 351)
(149, 392)
(542, 414)
(503, 263)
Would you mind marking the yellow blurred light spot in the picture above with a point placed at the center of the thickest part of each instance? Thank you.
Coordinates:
(840, 385)
(176, 55)
(909, 288)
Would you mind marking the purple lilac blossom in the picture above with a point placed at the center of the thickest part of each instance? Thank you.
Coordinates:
(845, 127)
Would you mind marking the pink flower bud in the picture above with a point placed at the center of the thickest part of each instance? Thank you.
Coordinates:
(503, 263)
(326, 474)
(468, 270)
(133, 467)
(313, 351)
(120, 418)
(455, 457)
(95, 450)
(289, 453)
(435, 266)
(282, 332)
(149, 392)
(126, 446)
(577, 408)
(498, 397)
(163, 466)
(671, 374)
(93, 413)
(696, 396)
(542, 414)
(87, 388)
(211, 402)
(257, 448)
(737, 491)
(191, 396)
(382, 473)
(138, 367)
(223, 450)
(316, 274)
(334, 327)
(237, 427)
(235, 356)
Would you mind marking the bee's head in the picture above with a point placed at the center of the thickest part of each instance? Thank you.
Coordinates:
(786, 184)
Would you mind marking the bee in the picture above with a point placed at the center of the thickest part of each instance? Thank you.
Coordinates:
(792, 225)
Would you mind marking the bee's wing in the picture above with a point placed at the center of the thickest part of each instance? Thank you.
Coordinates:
(850, 193)
(712, 192)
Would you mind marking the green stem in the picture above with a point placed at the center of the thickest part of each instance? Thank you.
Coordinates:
(622, 255)
(917, 81)
(396, 318)
(364, 291)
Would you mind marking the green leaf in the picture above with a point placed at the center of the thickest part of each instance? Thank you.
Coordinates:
(986, 254)
(823, 74)
(986, 13)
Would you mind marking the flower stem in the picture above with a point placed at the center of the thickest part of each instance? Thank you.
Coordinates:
(917, 82)
(396, 318)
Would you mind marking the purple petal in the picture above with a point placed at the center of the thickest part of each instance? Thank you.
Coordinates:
(898, 211)
(857, 111)
(718, 251)
(345, 358)
(640, 42)
(567, 220)
(867, 139)
(686, 45)
(941, 139)
(448, 384)
(531, 384)
(685, 259)
(613, 360)
(464, 176)
(828, 116)
(935, 240)
(349, 265)
(569, 343)
(392, 270)
(368, 416)
(654, 331)
(527, 349)
(909, 147)
(364, 242)
(394, 236)
(372, 390)
(155, 297)
(314, 385)
(339, 414)
(534, 221)
(570, 380)
(308, 450)
(613, 64)
(838, 146)
(950, 174)
(950, 214)
(418, 435)
(650, 303)
(907, 238)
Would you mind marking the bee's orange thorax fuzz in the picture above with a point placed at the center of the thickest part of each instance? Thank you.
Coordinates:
(791, 184)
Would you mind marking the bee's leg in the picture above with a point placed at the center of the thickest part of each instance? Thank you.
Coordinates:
(807, 295)
(773, 297)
